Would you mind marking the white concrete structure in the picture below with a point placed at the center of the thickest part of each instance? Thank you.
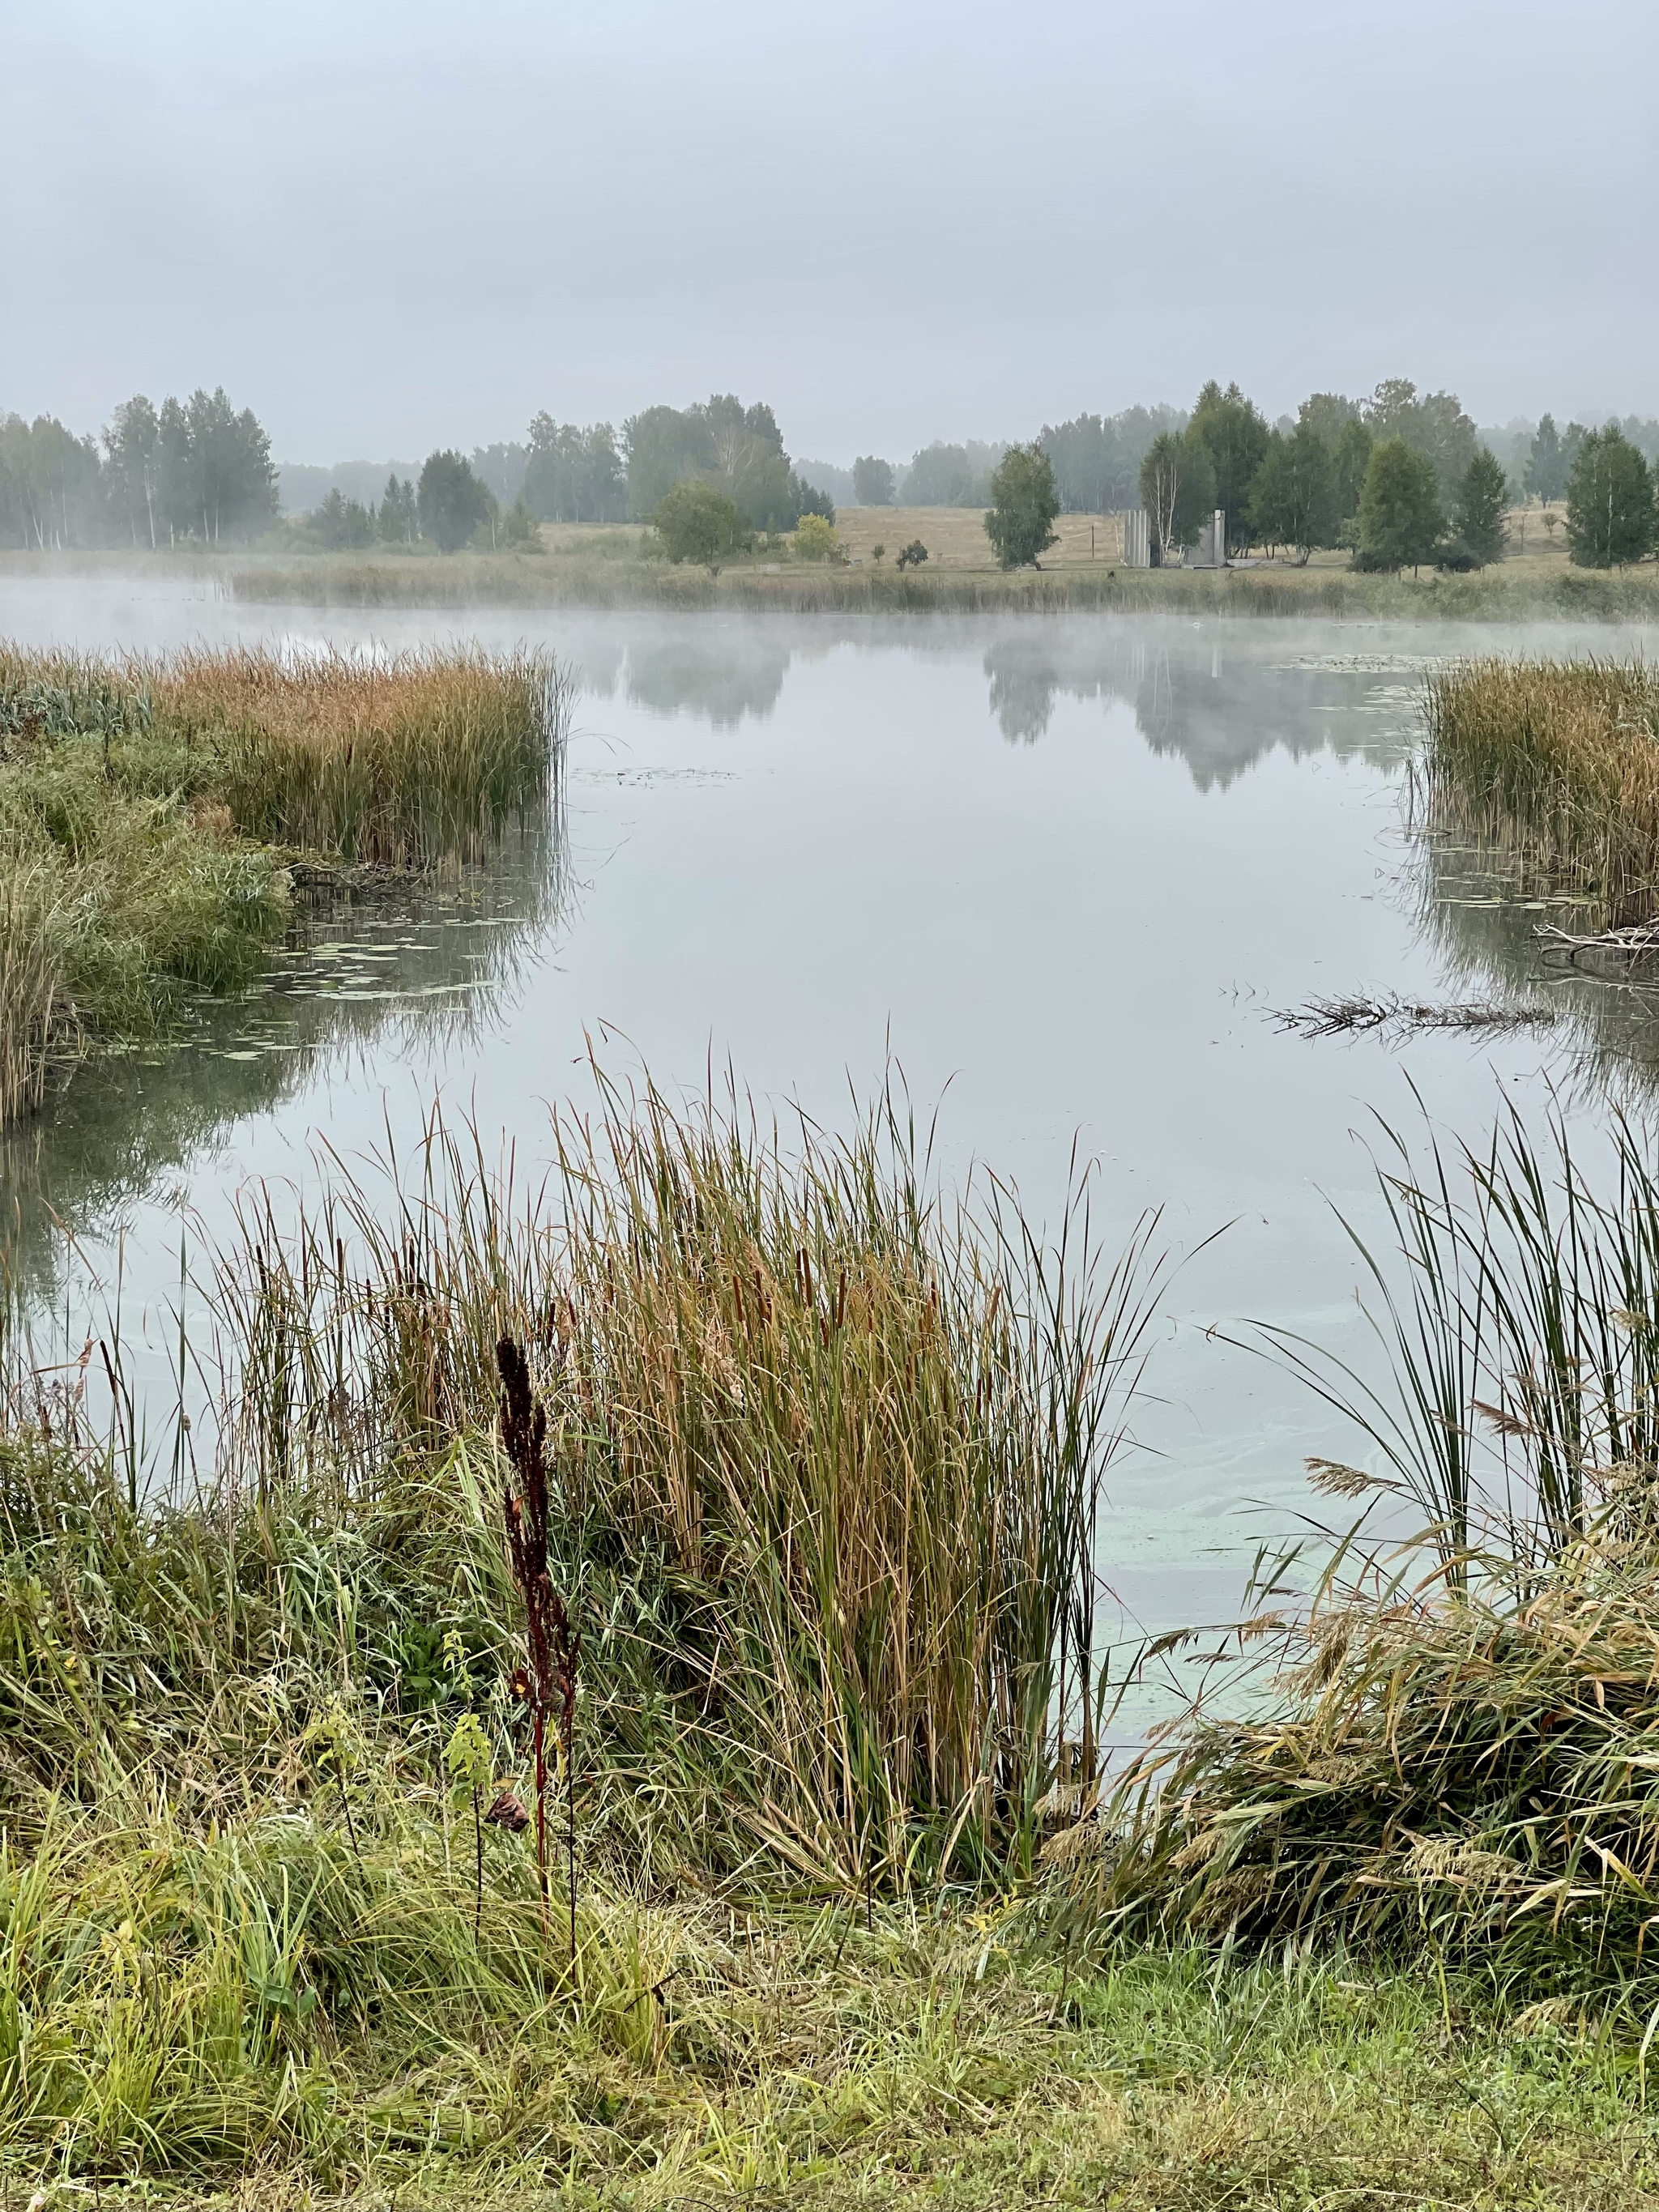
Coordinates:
(1137, 539)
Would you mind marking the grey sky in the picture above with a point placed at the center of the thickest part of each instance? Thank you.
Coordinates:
(387, 224)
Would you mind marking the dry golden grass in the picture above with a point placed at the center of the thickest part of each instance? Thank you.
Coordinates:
(955, 536)
(1557, 761)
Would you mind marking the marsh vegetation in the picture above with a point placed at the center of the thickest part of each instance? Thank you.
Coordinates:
(147, 810)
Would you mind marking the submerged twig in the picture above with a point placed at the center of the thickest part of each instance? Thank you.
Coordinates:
(1323, 1018)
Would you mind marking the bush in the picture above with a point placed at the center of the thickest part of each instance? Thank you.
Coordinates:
(1455, 558)
(694, 522)
(520, 530)
(816, 540)
(913, 555)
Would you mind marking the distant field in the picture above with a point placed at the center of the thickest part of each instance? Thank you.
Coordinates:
(607, 565)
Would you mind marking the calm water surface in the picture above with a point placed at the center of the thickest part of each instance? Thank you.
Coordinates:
(1063, 873)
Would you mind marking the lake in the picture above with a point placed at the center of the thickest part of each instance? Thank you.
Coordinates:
(1062, 875)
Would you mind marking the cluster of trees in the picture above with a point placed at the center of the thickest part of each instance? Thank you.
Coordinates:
(939, 475)
(451, 506)
(1299, 483)
(191, 468)
(1401, 479)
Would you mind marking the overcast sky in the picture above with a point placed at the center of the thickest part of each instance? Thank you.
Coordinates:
(389, 224)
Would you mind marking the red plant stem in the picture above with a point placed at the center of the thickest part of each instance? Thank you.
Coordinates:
(541, 1810)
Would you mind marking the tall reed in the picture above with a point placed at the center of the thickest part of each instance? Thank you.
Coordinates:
(860, 1432)
(140, 800)
(397, 759)
(1558, 760)
(1461, 1742)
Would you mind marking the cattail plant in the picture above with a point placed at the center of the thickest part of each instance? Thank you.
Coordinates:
(547, 1683)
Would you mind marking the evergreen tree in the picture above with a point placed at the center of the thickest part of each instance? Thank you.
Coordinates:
(1482, 497)
(451, 501)
(395, 523)
(1024, 505)
(1610, 517)
(1547, 468)
(1399, 517)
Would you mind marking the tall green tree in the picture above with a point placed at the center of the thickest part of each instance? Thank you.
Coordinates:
(1349, 459)
(1400, 516)
(1546, 467)
(51, 486)
(574, 474)
(873, 480)
(131, 445)
(1024, 504)
(1177, 490)
(1432, 424)
(1329, 414)
(1482, 497)
(1293, 498)
(398, 522)
(1610, 517)
(451, 501)
(1234, 433)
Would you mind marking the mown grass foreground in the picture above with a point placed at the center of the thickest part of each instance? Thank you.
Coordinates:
(147, 808)
(1557, 764)
(853, 1923)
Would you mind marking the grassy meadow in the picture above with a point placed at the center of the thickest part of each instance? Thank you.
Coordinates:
(832, 1904)
(149, 811)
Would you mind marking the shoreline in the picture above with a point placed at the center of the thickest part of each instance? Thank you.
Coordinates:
(584, 578)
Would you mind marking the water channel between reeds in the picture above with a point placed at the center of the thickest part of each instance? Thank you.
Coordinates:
(1063, 874)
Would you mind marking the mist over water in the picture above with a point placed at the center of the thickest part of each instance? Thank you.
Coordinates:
(1062, 873)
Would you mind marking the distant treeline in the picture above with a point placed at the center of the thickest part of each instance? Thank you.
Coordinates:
(199, 470)
(191, 468)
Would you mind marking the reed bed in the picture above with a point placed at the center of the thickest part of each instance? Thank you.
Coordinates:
(1555, 761)
(854, 1438)
(142, 805)
(824, 1456)
(399, 761)
(1459, 1742)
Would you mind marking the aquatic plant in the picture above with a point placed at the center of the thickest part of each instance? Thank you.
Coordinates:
(1557, 762)
(141, 803)
(1460, 1744)
(858, 1438)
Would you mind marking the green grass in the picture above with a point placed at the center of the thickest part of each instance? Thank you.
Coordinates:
(841, 1936)
(146, 809)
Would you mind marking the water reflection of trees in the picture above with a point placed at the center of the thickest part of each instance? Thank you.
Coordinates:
(422, 966)
(1219, 708)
